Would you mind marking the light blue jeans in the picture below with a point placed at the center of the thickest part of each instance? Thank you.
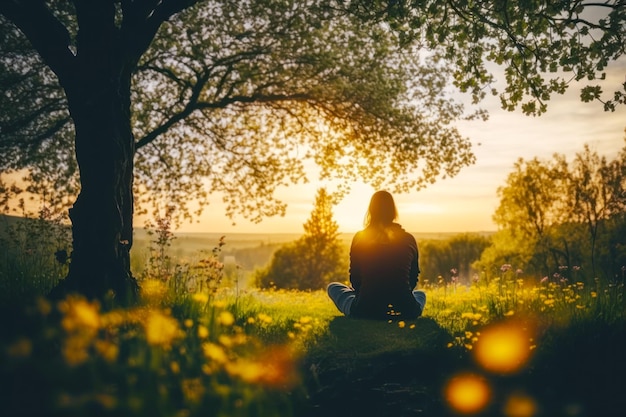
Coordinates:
(343, 296)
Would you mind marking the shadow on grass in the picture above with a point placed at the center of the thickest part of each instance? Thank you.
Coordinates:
(373, 368)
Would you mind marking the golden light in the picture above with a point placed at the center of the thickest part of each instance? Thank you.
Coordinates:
(467, 393)
(503, 348)
(520, 405)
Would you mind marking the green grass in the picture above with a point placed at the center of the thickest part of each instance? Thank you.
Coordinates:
(290, 353)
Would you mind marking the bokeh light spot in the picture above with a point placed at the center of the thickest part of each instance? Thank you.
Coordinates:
(467, 393)
(520, 405)
(503, 348)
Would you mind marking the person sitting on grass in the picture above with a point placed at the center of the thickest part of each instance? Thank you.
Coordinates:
(384, 268)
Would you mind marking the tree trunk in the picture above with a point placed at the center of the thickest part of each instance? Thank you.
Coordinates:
(103, 212)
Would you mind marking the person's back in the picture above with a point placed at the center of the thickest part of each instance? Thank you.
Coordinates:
(383, 272)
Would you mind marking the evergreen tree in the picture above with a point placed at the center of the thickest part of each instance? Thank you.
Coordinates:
(315, 259)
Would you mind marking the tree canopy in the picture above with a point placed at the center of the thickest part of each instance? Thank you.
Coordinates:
(123, 101)
(232, 96)
(563, 214)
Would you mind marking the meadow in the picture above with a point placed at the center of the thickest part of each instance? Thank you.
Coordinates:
(202, 343)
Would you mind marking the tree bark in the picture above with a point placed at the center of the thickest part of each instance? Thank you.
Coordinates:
(98, 95)
(103, 212)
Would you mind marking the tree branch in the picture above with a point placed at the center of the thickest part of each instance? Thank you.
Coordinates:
(48, 36)
(141, 21)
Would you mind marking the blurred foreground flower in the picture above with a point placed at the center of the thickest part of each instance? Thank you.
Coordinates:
(275, 367)
(467, 393)
(79, 314)
(161, 330)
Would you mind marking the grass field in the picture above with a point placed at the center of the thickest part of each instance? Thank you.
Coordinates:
(491, 349)
(511, 347)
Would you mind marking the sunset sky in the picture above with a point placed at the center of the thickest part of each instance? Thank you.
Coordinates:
(467, 202)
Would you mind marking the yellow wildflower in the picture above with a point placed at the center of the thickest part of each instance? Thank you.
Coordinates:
(75, 350)
(401, 324)
(225, 340)
(108, 350)
(264, 318)
(203, 332)
(153, 291)
(200, 297)
(161, 329)
(79, 314)
(226, 318)
(214, 352)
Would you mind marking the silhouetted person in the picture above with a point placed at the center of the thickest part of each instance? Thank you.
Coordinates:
(384, 268)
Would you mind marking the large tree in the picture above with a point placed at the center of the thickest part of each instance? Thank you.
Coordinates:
(125, 99)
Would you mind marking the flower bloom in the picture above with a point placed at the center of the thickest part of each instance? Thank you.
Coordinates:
(160, 329)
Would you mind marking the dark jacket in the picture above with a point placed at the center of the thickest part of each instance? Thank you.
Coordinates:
(384, 271)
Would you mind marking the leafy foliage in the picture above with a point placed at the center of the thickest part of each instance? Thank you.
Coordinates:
(542, 45)
(557, 214)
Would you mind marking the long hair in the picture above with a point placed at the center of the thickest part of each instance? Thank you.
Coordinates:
(382, 210)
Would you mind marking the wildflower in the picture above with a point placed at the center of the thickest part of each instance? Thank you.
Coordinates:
(509, 313)
(161, 329)
(75, 350)
(109, 351)
(80, 314)
(225, 340)
(275, 367)
(505, 267)
(153, 290)
(188, 323)
(401, 324)
(226, 318)
(264, 318)
(203, 332)
(200, 297)
(175, 367)
(214, 352)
